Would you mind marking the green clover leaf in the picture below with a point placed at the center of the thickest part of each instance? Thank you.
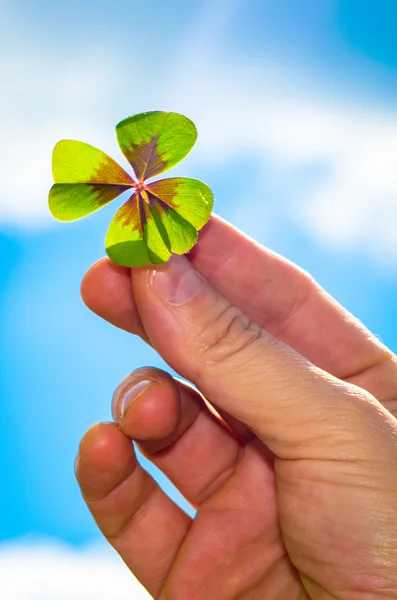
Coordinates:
(159, 217)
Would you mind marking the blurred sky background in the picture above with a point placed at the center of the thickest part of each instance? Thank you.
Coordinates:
(295, 103)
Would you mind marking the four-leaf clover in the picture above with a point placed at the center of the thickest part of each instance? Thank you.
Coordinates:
(159, 217)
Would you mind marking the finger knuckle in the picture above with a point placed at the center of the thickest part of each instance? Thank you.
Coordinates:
(227, 335)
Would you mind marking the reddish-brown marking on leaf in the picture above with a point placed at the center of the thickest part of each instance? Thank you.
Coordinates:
(154, 190)
(143, 211)
(128, 214)
(107, 170)
(148, 159)
(102, 191)
(134, 213)
(160, 206)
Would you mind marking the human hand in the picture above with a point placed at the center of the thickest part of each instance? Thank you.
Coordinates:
(307, 508)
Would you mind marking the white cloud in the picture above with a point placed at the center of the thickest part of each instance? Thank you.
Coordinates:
(354, 203)
(52, 571)
(45, 96)
(264, 110)
(278, 116)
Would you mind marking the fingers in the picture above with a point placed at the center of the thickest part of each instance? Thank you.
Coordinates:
(138, 519)
(270, 290)
(234, 543)
(286, 401)
(106, 290)
(228, 547)
(176, 431)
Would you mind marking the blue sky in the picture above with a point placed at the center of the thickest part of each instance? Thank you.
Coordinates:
(297, 97)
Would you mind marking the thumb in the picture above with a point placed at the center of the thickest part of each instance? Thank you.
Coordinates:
(296, 409)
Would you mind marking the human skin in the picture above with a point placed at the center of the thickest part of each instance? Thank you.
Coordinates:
(301, 502)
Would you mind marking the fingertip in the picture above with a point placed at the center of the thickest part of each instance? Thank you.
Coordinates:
(104, 274)
(97, 443)
(104, 458)
(106, 290)
(146, 405)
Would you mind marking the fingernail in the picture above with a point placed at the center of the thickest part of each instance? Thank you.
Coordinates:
(176, 282)
(125, 395)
